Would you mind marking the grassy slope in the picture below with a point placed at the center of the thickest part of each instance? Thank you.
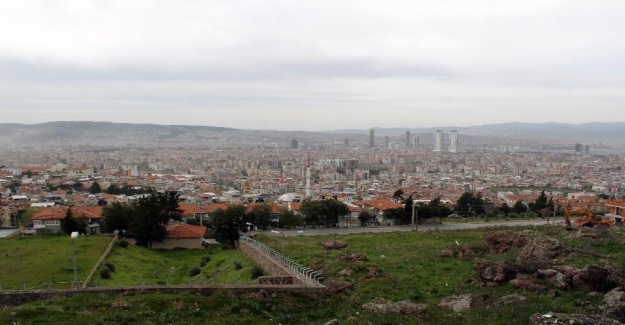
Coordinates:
(413, 271)
(35, 262)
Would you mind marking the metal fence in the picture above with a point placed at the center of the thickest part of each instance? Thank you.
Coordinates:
(286, 261)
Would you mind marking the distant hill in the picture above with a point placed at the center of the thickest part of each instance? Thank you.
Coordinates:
(126, 135)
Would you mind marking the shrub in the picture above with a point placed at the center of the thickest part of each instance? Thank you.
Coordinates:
(122, 243)
(257, 271)
(237, 266)
(205, 260)
(105, 273)
(194, 271)
(110, 266)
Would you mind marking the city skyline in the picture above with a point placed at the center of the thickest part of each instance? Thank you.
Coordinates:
(312, 67)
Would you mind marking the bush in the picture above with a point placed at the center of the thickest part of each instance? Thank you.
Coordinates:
(257, 271)
(110, 266)
(237, 266)
(194, 271)
(205, 260)
(122, 243)
(105, 273)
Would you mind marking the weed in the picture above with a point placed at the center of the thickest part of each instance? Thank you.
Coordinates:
(257, 271)
(194, 271)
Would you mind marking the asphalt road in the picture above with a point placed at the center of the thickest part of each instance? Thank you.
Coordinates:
(443, 226)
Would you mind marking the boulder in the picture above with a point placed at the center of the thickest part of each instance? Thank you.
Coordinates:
(597, 278)
(446, 253)
(555, 278)
(503, 241)
(458, 303)
(571, 319)
(512, 299)
(332, 322)
(334, 244)
(528, 285)
(374, 273)
(615, 297)
(336, 286)
(345, 272)
(119, 304)
(494, 272)
(398, 308)
(357, 257)
(539, 254)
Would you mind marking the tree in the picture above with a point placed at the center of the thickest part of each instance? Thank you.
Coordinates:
(260, 214)
(470, 203)
(70, 224)
(95, 188)
(505, 209)
(113, 189)
(288, 219)
(152, 213)
(541, 202)
(116, 217)
(364, 216)
(519, 207)
(398, 195)
(397, 214)
(323, 212)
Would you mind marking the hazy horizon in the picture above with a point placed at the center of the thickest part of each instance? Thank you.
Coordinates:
(315, 66)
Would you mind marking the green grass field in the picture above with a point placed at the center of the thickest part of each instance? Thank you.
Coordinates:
(412, 270)
(136, 266)
(46, 262)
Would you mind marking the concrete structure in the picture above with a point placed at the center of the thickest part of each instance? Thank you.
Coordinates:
(453, 141)
(408, 139)
(371, 138)
(438, 140)
(294, 144)
(181, 235)
(387, 142)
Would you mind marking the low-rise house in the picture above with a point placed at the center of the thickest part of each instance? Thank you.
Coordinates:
(49, 219)
(180, 235)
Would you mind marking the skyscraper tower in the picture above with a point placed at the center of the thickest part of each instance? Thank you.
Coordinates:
(371, 138)
(387, 142)
(408, 142)
(453, 141)
(308, 191)
(438, 140)
(416, 141)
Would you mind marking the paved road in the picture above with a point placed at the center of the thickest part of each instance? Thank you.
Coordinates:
(444, 226)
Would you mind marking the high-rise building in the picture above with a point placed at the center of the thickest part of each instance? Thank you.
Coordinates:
(416, 141)
(346, 142)
(387, 142)
(453, 141)
(587, 150)
(438, 140)
(408, 142)
(294, 144)
(371, 138)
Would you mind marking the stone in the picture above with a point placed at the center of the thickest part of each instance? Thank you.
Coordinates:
(597, 278)
(458, 303)
(374, 273)
(504, 241)
(570, 319)
(512, 299)
(528, 285)
(119, 304)
(555, 278)
(494, 272)
(539, 253)
(332, 322)
(345, 272)
(335, 244)
(333, 286)
(615, 297)
(358, 257)
(446, 253)
(398, 308)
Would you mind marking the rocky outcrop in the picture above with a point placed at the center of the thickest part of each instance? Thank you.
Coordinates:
(398, 308)
(512, 299)
(458, 303)
(615, 304)
(503, 241)
(345, 272)
(333, 286)
(374, 273)
(528, 285)
(570, 319)
(334, 244)
(494, 272)
(539, 254)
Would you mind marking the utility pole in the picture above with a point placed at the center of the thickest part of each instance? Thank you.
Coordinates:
(414, 216)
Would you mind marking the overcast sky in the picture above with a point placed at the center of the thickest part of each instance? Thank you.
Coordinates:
(312, 65)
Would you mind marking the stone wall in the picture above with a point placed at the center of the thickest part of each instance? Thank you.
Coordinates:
(14, 298)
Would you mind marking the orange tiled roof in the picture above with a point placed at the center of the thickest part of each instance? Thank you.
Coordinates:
(58, 213)
(181, 230)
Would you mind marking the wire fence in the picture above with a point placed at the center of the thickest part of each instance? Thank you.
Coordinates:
(292, 265)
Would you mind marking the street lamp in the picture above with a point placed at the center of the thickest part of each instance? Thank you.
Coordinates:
(74, 235)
